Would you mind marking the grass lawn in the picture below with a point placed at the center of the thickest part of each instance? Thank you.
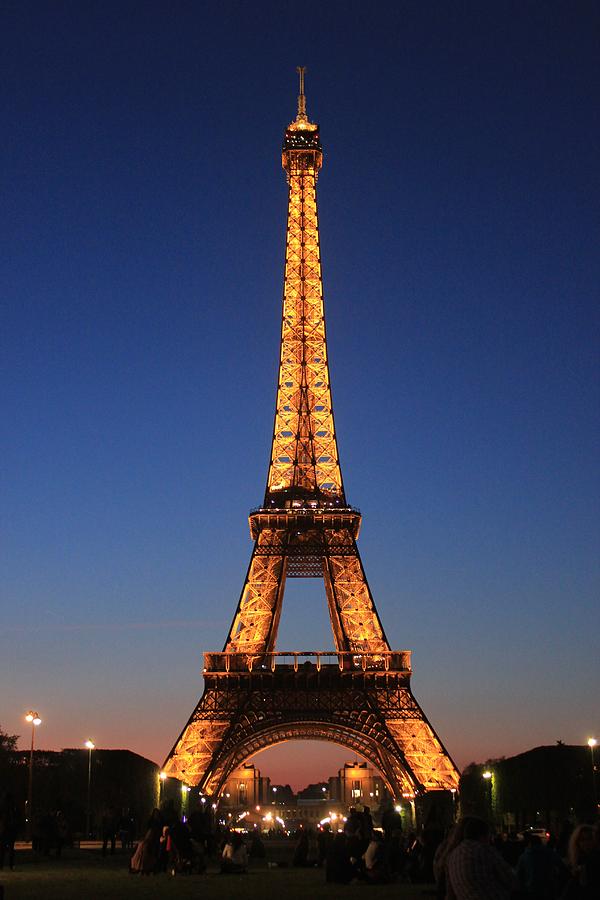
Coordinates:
(84, 875)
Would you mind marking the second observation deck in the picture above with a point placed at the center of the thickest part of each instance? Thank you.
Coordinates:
(391, 661)
(302, 517)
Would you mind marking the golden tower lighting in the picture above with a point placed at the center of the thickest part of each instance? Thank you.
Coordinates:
(357, 694)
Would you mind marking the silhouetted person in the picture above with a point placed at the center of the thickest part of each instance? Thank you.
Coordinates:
(354, 841)
(538, 870)
(391, 821)
(475, 871)
(48, 833)
(366, 825)
(164, 849)
(257, 848)
(234, 859)
(182, 855)
(61, 827)
(432, 837)
(584, 864)
(145, 857)
(109, 832)
(324, 842)
(37, 838)
(440, 859)
(414, 858)
(125, 831)
(9, 825)
(338, 868)
(375, 863)
(300, 859)
(395, 852)
(353, 822)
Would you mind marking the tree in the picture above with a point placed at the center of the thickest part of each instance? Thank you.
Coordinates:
(8, 742)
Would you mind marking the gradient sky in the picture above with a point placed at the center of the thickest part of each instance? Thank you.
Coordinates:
(141, 270)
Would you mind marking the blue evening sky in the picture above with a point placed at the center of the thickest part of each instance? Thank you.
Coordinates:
(141, 270)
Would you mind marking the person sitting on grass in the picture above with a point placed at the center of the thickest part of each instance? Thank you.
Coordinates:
(234, 860)
(146, 855)
(375, 865)
(338, 868)
(300, 859)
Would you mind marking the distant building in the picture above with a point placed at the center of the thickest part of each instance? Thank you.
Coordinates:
(358, 783)
(243, 788)
(546, 786)
(122, 784)
(280, 795)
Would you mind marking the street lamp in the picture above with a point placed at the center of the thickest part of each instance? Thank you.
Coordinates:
(185, 792)
(35, 720)
(453, 792)
(591, 744)
(90, 746)
(161, 785)
(487, 775)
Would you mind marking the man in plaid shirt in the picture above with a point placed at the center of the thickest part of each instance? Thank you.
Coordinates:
(475, 871)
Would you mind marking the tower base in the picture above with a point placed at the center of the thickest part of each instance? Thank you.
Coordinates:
(364, 702)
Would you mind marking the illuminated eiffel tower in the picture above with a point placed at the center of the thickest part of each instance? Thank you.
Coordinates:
(357, 695)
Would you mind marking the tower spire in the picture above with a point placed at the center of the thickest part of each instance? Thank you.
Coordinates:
(301, 117)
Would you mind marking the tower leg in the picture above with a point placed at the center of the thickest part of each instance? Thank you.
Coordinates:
(356, 625)
(256, 620)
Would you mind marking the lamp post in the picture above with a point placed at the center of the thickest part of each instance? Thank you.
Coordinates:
(162, 778)
(35, 720)
(591, 744)
(90, 746)
(453, 792)
(488, 777)
(185, 790)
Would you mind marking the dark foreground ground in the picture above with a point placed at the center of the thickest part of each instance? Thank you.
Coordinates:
(85, 875)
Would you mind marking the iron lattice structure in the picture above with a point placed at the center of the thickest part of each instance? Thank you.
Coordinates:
(358, 695)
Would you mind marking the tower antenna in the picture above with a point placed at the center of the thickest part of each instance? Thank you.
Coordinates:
(301, 97)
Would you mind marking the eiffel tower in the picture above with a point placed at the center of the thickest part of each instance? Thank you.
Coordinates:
(359, 694)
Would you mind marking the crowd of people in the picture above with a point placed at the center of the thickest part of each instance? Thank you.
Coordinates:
(470, 865)
(170, 844)
(467, 863)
